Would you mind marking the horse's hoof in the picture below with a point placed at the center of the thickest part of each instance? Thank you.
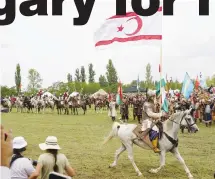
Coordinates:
(190, 177)
(153, 171)
(139, 174)
(112, 165)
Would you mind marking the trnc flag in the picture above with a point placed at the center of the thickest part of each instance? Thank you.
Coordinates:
(119, 94)
(187, 87)
(130, 28)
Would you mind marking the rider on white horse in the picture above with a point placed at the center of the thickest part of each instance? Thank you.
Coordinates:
(66, 95)
(150, 117)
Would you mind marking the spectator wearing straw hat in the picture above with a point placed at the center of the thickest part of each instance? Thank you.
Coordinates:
(20, 167)
(51, 160)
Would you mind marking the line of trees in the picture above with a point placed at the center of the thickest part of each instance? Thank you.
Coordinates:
(84, 81)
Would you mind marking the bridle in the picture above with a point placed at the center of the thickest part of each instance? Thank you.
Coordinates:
(175, 141)
(186, 119)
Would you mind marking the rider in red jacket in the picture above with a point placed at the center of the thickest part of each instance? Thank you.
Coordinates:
(65, 95)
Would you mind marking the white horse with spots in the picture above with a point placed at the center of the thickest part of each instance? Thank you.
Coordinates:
(19, 104)
(168, 142)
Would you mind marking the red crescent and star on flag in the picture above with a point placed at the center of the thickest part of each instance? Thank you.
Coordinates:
(139, 26)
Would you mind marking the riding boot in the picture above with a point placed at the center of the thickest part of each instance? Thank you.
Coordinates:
(155, 145)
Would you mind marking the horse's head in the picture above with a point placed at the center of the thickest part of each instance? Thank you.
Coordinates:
(188, 121)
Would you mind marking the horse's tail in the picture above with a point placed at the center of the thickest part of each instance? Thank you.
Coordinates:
(113, 132)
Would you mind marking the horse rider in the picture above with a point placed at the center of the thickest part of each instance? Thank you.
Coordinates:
(65, 95)
(40, 94)
(150, 117)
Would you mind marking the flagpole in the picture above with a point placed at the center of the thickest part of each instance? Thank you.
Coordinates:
(160, 77)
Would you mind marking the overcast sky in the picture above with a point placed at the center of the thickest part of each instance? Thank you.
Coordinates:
(54, 47)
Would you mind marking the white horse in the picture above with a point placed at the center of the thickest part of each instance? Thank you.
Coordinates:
(41, 105)
(168, 142)
(49, 103)
(19, 104)
(8, 104)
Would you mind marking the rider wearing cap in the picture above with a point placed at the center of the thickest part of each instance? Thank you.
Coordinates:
(150, 117)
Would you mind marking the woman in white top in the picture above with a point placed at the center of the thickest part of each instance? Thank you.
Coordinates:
(51, 160)
(20, 167)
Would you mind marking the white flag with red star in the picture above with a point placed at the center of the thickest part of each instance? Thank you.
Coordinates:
(130, 28)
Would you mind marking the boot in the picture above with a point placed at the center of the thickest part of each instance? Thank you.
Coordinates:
(155, 145)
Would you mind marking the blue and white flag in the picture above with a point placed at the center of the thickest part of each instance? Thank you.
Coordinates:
(187, 87)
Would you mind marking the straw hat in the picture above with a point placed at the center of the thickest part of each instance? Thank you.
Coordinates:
(19, 143)
(50, 143)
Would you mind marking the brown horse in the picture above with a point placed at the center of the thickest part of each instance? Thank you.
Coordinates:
(77, 103)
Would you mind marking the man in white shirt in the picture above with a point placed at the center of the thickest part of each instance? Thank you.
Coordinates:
(6, 153)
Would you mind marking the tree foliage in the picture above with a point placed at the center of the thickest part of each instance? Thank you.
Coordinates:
(35, 81)
(210, 81)
(83, 74)
(69, 77)
(111, 73)
(18, 78)
(77, 75)
(102, 81)
(6, 91)
(148, 81)
(92, 73)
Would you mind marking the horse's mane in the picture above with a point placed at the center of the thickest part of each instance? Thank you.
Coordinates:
(169, 122)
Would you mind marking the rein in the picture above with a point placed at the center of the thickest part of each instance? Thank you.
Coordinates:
(189, 125)
(173, 141)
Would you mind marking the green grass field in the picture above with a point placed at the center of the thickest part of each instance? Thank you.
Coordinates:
(81, 136)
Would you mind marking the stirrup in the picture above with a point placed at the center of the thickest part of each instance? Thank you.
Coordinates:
(156, 150)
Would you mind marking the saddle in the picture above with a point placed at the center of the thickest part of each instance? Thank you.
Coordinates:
(139, 133)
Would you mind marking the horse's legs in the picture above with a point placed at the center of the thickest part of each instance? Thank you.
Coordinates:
(117, 154)
(162, 163)
(181, 160)
(129, 148)
(83, 109)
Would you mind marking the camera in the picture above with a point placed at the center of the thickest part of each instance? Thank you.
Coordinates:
(34, 162)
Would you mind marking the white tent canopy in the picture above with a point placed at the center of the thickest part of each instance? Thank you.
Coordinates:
(100, 92)
(73, 94)
(47, 94)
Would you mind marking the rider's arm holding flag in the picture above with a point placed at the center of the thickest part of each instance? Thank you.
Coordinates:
(150, 114)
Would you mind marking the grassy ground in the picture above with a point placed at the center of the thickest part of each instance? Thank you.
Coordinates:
(81, 136)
